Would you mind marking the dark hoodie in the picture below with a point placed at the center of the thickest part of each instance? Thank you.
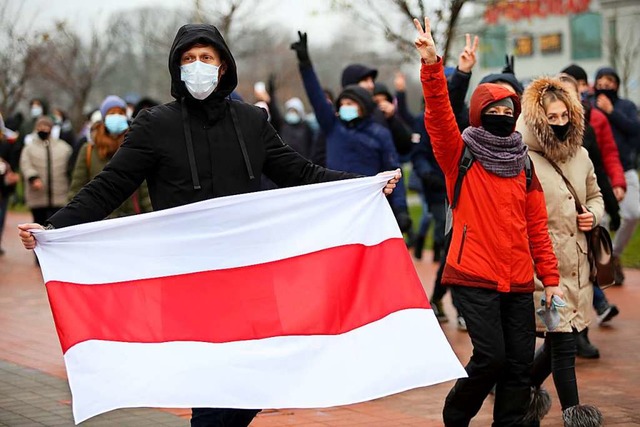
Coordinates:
(624, 121)
(229, 154)
(361, 146)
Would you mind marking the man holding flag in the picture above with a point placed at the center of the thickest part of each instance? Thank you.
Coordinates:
(200, 146)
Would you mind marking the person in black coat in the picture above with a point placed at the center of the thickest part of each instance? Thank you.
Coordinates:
(198, 147)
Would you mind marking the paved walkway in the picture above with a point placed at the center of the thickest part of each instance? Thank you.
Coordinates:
(34, 391)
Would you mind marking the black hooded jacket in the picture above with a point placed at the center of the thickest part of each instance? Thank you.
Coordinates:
(228, 153)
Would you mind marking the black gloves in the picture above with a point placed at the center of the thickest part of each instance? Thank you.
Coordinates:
(508, 68)
(301, 49)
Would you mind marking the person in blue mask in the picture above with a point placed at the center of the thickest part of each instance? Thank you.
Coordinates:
(106, 137)
(355, 141)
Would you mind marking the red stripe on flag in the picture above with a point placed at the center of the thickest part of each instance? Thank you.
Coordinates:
(323, 293)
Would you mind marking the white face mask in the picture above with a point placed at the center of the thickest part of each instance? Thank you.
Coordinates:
(200, 79)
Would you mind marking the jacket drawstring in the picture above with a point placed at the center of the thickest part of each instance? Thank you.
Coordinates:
(192, 157)
(243, 146)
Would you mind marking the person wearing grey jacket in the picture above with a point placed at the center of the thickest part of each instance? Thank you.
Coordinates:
(44, 167)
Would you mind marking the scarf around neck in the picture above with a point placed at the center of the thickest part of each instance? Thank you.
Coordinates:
(502, 156)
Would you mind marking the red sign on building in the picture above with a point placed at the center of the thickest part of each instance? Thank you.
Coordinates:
(516, 10)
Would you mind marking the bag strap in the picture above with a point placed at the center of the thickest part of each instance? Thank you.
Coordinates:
(569, 186)
(466, 161)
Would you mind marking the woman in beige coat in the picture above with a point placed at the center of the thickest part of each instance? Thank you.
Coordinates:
(552, 125)
(44, 164)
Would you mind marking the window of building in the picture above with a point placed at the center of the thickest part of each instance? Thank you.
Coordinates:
(586, 36)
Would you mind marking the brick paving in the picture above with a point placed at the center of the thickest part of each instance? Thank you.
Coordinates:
(34, 391)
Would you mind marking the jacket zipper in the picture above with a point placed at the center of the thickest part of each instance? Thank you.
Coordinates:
(464, 237)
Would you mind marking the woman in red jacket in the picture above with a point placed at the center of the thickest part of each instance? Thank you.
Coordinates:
(499, 227)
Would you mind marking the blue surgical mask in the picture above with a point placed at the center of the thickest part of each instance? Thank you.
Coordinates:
(292, 118)
(200, 79)
(116, 123)
(348, 112)
(36, 111)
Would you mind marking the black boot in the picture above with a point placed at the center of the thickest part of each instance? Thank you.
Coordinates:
(418, 246)
(584, 346)
(582, 416)
(618, 274)
(437, 252)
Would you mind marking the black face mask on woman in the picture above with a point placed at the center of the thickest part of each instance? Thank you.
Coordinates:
(561, 131)
(497, 124)
(43, 135)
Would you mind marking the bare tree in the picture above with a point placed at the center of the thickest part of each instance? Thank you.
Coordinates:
(394, 19)
(624, 50)
(74, 65)
(17, 57)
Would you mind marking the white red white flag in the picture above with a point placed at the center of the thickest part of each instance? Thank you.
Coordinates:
(292, 298)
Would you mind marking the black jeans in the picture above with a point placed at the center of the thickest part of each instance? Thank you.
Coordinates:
(502, 331)
(222, 417)
(558, 357)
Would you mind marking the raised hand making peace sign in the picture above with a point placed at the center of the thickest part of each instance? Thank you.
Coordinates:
(467, 58)
(424, 42)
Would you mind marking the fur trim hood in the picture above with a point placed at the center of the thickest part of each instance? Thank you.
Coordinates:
(535, 129)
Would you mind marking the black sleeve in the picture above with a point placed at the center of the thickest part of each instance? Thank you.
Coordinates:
(274, 111)
(458, 85)
(118, 180)
(403, 108)
(401, 133)
(610, 202)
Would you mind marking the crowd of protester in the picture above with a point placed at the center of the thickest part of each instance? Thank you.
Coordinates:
(523, 141)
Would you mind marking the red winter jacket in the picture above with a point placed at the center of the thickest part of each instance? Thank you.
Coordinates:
(499, 226)
(608, 148)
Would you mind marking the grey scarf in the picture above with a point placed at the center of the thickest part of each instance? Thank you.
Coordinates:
(503, 156)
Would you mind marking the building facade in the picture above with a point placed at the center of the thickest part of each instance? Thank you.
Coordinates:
(547, 35)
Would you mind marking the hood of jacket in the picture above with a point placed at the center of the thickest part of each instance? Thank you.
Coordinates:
(353, 73)
(361, 96)
(382, 89)
(608, 71)
(534, 126)
(486, 94)
(187, 36)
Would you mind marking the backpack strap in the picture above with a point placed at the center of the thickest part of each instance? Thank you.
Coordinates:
(528, 171)
(466, 161)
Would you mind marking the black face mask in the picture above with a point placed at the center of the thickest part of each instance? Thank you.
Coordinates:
(612, 94)
(43, 135)
(497, 124)
(561, 131)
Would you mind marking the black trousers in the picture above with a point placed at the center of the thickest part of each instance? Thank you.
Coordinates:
(558, 357)
(502, 331)
(222, 417)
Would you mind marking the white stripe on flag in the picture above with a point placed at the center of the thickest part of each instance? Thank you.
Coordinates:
(227, 232)
(293, 371)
